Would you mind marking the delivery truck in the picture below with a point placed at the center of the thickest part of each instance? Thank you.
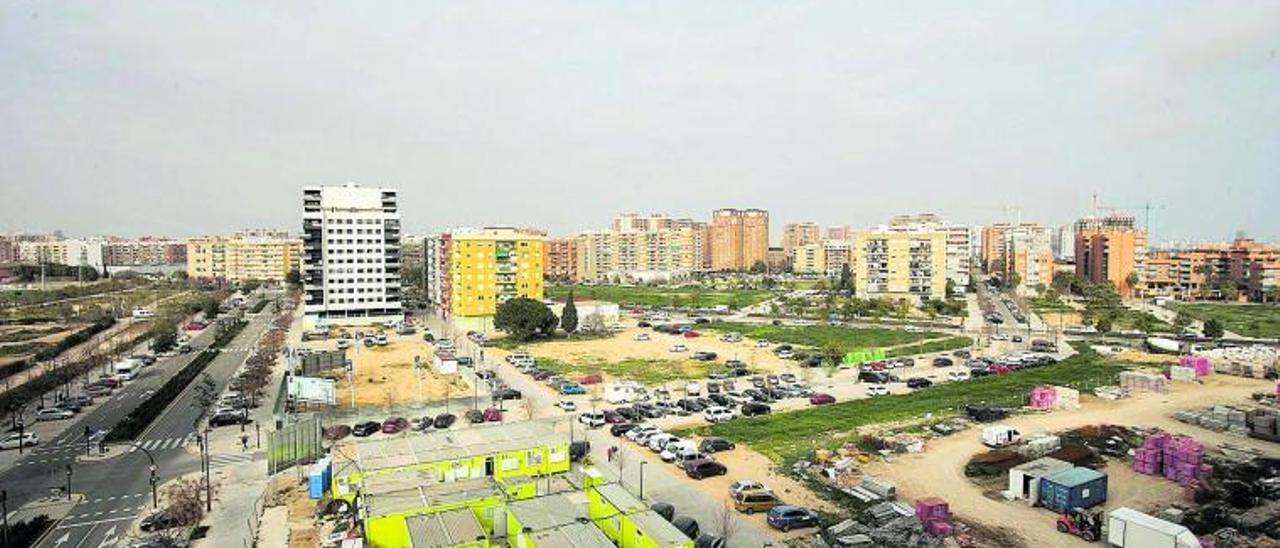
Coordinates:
(999, 436)
(1130, 528)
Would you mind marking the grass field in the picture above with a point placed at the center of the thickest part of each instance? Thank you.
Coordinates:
(1250, 320)
(645, 371)
(509, 343)
(787, 436)
(943, 345)
(819, 336)
(662, 296)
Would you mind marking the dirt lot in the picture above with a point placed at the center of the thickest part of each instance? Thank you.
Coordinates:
(385, 375)
(939, 471)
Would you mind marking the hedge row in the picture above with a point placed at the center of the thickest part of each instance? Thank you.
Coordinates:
(261, 305)
(142, 416)
(12, 399)
(53, 351)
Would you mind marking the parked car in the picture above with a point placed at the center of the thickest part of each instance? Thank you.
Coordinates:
(13, 440)
(704, 468)
(507, 394)
(621, 429)
(593, 378)
(593, 419)
(942, 361)
(157, 522)
(819, 398)
(919, 382)
(227, 417)
(613, 417)
(679, 348)
(394, 425)
(958, 375)
(738, 486)
(786, 517)
(567, 405)
(474, 416)
(641, 431)
(715, 445)
(717, 414)
(691, 334)
(365, 429)
(750, 502)
(751, 409)
(877, 390)
(54, 414)
(641, 337)
(492, 414)
(444, 420)
(336, 432)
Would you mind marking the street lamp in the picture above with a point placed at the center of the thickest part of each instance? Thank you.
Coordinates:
(68, 482)
(642, 463)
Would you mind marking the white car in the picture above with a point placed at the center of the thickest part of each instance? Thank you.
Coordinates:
(11, 440)
(676, 449)
(999, 337)
(616, 327)
(692, 388)
(912, 329)
(762, 344)
(641, 336)
(877, 390)
(958, 376)
(645, 430)
(53, 414)
(658, 442)
(643, 437)
(593, 419)
(567, 405)
(786, 354)
(717, 413)
(737, 398)
(343, 344)
(745, 485)
(679, 348)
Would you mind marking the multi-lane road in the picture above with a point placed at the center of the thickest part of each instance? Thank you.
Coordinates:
(117, 489)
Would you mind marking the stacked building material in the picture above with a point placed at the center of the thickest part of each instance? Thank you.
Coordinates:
(1183, 457)
(1199, 364)
(1266, 424)
(1110, 392)
(935, 515)
(1068, 398)
(1148, 458)
(1182, 374)
(1134, 381)
(1043, 397)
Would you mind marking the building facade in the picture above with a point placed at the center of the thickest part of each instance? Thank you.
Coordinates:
(1202, 271)
(1111, 249)
(739, 239)
(245, 256)
(144, 252)
(642, 248)
(898, 264)
(470, 272)
(351, 255)
(798, 234)
(959, 242)
(70, 252)
(560, 259)
(1021, 252)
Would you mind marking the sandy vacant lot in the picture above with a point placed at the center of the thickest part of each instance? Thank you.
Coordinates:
(385, 376)
(939, 471)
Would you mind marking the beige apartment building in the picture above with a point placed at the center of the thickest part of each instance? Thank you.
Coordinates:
(899, 264)
(826, 258)
(1022, 251)
(1190, 272)
(959, 242)
(798, 234)
(739, 238)
(643, 247)
(248, 255)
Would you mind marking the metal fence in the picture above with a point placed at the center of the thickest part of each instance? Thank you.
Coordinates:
(294, 444)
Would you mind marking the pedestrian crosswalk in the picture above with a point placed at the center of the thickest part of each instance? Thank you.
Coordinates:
(165, 444)
(232, 459)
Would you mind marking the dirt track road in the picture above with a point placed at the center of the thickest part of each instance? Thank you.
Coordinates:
(939, 471)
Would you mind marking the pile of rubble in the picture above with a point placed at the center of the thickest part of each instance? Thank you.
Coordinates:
(886, 524)
(1256, 422)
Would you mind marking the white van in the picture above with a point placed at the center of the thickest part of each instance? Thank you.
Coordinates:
(143, 314)
(126, 370)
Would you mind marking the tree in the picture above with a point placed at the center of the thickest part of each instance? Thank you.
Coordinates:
(1131, 282)
(164, 336)
(210, 308)
(726, 522)
(759, 267)
(206, 393)
(185, 501)
(846, 277)
(1144, 322)
(1213, 328)
(593, 324)
(1103, 323)
(951, 288)
(569, 317)
(833, 354)
(1182, 320)
(293, 278)
(1014, 280)
(522, 318)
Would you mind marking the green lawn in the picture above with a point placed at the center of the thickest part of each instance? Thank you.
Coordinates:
(662, 296)
(645, 371)
(943, 345)
(819, 336)
(1250, 320)
(788, 436)
(511, 343)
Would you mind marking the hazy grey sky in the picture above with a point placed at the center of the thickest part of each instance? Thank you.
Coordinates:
(137, 117)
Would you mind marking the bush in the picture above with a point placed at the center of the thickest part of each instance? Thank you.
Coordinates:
(25, 533)
(50, 352)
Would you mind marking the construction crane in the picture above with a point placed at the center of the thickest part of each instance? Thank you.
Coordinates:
(1145, 208)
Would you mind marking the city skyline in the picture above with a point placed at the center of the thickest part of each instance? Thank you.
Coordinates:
(980, 116)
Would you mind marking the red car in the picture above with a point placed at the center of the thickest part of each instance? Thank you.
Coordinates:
(593, 378)
(691, 334)
(492, 414)
(999, 369)
(194, 326)
(394, 425)
(818, 398)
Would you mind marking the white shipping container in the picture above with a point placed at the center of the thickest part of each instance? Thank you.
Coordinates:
(1130, 528)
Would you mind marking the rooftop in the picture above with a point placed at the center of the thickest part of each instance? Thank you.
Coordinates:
(658, 528)
(1075, 476)
(444, 529)
(412, 498)
(573, 535)
(431, 447)
(621, 498)
(548, 512)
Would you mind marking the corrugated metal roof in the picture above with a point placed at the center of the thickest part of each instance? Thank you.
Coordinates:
(420, 497)
(444, 529)
(415, 448)
(624, 500)
(546, 512)
(574, 535)
(658, 528)
(1042, 465)
(1075, 476)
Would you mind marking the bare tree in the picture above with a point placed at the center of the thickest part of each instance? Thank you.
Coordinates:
(725, 521)
(184, 504)
(529, 409)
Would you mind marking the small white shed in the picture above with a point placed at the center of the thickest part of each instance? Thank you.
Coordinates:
(1024, 479)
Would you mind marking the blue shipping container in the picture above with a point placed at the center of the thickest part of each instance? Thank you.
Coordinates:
(1074, 488)
(319, 477)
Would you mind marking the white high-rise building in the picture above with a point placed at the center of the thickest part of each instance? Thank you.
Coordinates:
(351, 255)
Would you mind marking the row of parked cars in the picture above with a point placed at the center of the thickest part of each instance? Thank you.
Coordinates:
(694, 457)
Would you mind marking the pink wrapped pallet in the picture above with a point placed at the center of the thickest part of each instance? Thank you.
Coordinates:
(1043, 397)
(938, 529)
(931, 509)
(1199, 363)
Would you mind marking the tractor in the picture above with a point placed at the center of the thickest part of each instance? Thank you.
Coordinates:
(1081, 523)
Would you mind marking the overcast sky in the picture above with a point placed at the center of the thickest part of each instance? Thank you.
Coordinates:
(138, 117)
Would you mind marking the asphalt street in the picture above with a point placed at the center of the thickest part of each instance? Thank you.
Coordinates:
(117, 489)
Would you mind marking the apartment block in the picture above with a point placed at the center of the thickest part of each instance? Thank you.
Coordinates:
(560, 258)
(351, 262)
(244, 256)
(144, 252)
(471, 271)
(839, 232)
(1028, 254)
(1111, 248)
(1189, 272)
(8, 251)
(899, 264)
(639, 248)
(959, 242)
(798, 234)
(809, 259)
(71, 252)
(776, 259)
(739, 238)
